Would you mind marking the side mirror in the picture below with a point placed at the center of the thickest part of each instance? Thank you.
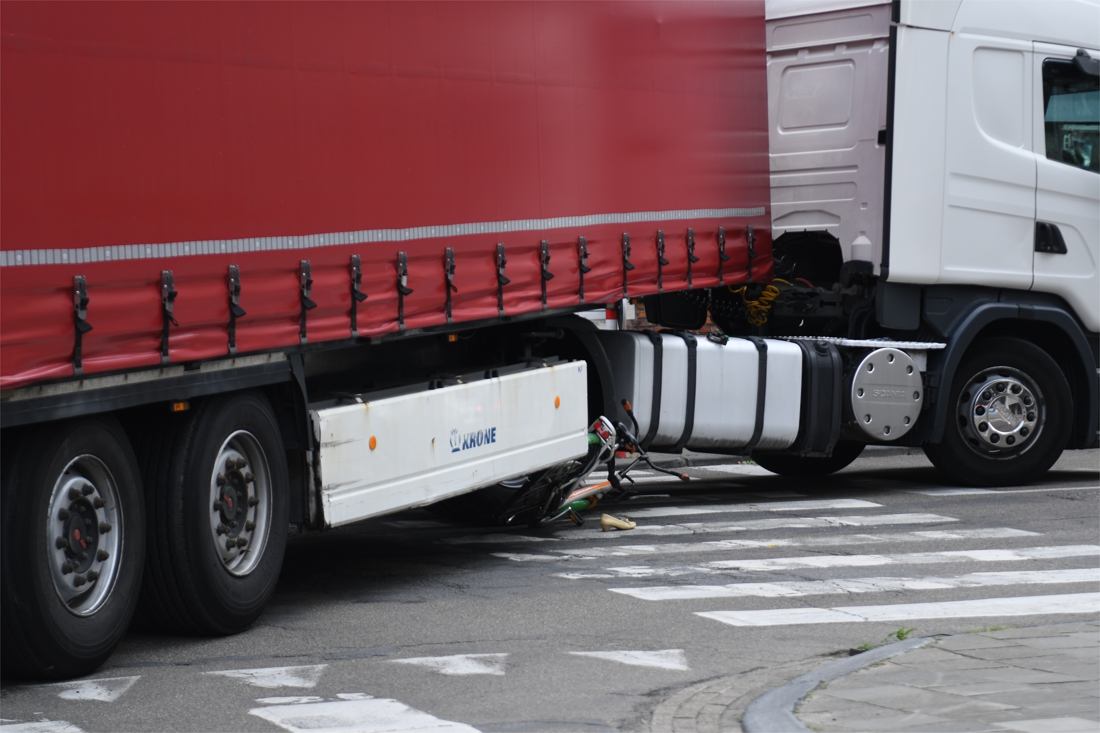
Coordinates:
(1085, 64)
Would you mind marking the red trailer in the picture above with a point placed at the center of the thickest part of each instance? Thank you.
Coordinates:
(217, 216)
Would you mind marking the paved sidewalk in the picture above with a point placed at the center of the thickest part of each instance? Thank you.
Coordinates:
(1043, 679)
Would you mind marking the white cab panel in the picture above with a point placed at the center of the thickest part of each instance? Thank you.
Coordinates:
(827, 70)
(989, 211)
(727, 379)
(436, 444)
(919, 140)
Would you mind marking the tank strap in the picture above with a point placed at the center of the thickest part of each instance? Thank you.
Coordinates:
(689, 410)
(761, 389)
(655, 404)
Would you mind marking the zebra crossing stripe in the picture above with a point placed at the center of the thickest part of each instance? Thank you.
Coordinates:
(861, 585)
(1068, 603)
(773, 506)
(909, 558)
(844, 561)
(782, 523)
(846, 540)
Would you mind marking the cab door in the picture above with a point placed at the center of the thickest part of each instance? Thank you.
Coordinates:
(1067, 196)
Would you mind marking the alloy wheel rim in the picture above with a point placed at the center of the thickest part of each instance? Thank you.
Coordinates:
(1001, 412)
(84, 535)
(240, 503)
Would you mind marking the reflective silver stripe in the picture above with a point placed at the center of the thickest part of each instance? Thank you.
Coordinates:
(15, 258)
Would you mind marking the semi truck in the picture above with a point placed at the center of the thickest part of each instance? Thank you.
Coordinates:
(276, 268)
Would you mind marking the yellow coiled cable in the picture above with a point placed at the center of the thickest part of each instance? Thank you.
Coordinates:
(758, 309)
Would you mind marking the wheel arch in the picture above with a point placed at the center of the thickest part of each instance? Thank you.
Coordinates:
(1052, 330)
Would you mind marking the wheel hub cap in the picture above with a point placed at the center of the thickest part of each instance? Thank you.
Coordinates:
(1002, 411)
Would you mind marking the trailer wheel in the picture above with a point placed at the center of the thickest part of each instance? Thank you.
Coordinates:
(73, 547)
(786, 464)
(217, 498)
(1011, 415)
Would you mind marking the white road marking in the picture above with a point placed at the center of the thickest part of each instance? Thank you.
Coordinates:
(692, 528)
(780, 523)
(305, 676)
(289, 700)
(843, 561)
(460, 664)
(770, 506)
(361, 715)
(988, 607)
(909, 558)
(104, 689)
(739, 468)
(1062, 724)
(847, 540)
(860, 585)
(42, 726)
(664, 659)
(947, 492)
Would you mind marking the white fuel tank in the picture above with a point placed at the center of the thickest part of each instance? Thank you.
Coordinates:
(724, 411)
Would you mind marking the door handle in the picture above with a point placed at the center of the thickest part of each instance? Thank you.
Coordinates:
(1048, 239)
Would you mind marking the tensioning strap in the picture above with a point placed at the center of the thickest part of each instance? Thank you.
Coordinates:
(689, 410)
(761, 389)
(655, 405)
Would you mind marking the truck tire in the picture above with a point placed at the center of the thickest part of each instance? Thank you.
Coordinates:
(1010, 416)
(786, 464)
(73, 547)
(217, 485)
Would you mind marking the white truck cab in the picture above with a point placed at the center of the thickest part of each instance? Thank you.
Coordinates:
(949, 149)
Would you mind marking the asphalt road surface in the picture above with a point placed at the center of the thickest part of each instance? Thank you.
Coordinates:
(737, 579)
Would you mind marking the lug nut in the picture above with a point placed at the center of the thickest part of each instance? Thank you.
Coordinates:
(79, 580)
(241, 463)
(241, 542)
(221, 479)
(1016, 389)
(249, 478)
(253, 501)
(1031, 417)
(994, 438)
(87, 522)
(102, 555)
(230, 463)
(1024, 432)
(1010, 440)
(230, 544)
(98, 502)
(1000, 386)
(83, 556)
(222, 529)
(73, 494)
(66, 567)
(87, 489)
(104, 527)
(249, 526)
(233, 525)
(61, 543)
(982, 427)
(219, 505)
(63, 514)
(979, 410)
(92, 575)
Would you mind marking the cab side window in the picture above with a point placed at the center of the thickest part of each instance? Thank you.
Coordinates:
(1071, 102)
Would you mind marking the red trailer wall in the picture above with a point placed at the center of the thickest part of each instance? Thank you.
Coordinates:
(226, 130)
